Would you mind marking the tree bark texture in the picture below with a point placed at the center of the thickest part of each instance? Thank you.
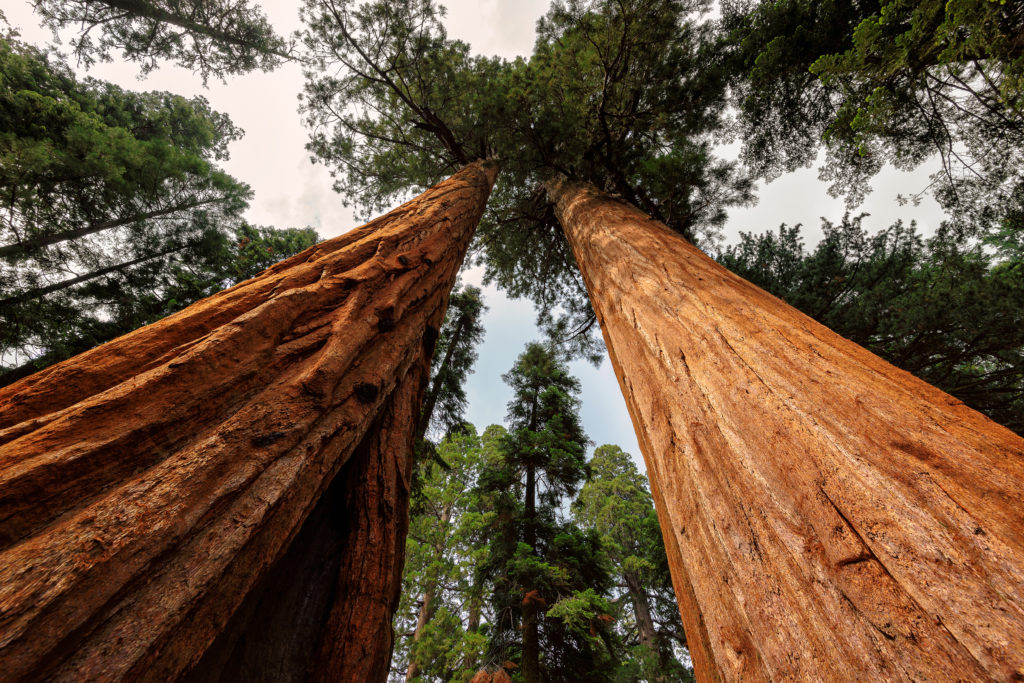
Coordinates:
(149, 486)
(826, 515)
(324, 610)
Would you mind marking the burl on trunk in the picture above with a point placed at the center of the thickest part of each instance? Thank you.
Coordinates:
(827, 516)
(150, 489)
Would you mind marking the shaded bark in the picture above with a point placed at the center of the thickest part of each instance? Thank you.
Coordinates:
(826, 515)
(324, 611)
(475, 607)
(357, 643)
(531, 636)
(148, 485)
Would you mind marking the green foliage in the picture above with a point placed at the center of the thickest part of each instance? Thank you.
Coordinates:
(898, 81)
(616, 93)
(105, 193)
(536, 559)
(445, 546)
(615, 503)
(580, 610)
(945, 309)
(210, 37)
(461, 332)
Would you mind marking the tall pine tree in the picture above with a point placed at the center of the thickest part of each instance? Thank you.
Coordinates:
(536, 558)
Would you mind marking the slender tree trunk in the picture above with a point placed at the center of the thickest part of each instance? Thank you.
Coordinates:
(71, 282)
(46, 240)
(427, 607)
(475, 607)
(827, 516)
(642, 612)
(430, 401)
(149, 484)
(531, 600)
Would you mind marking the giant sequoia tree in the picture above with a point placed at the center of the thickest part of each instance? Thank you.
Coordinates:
(824, 512)
(267, 534)
(618, 94)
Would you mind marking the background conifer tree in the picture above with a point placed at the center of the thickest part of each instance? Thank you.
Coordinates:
(210, 37)
(615, 502)
(537, 560)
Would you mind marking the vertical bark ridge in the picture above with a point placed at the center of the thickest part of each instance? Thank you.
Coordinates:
(833, 516)
(147, 485)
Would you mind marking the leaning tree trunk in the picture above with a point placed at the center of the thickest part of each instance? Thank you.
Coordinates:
(40, 292)
(150, 488)
(827, 516)
(644, 622)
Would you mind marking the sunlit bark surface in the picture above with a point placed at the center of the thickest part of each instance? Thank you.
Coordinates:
(150, 486)
(827, 516)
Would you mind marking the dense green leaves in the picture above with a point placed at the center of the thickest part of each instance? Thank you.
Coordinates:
(103, 193)
(210, 37)
(442, 621)
(444, 404)
(945, 309)
(616, 504)
(616, 93)
(897, 81)
(536, 559)
(393, 106)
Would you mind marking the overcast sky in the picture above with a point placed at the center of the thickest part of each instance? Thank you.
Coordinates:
(292, 192)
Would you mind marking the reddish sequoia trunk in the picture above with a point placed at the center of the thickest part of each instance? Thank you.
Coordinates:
(827, 516)
(150, 488)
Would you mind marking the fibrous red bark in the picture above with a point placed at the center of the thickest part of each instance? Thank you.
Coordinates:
(151, 487)
(827, 516)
